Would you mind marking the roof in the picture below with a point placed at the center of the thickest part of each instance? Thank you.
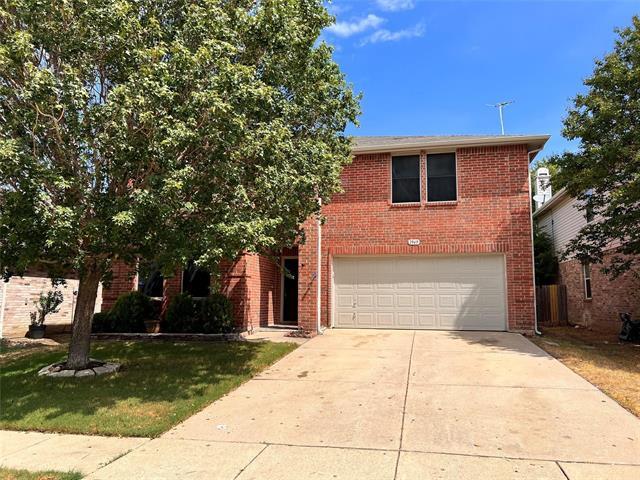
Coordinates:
(562, 193)
(407, 143)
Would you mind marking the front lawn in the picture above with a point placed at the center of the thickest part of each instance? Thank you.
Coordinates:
(10, 474)
(612, 366)
(160, 385)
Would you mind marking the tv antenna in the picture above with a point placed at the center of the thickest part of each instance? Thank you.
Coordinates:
(500, 106)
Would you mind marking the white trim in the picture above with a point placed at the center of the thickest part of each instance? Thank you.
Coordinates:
(536, 141)
(282, 259)
(426, 179)
(419, 202)
(562, 193)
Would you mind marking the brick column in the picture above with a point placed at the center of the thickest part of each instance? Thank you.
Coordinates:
(123, 281)
(307, 278)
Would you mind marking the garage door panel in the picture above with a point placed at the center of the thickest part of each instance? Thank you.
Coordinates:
(365, 301)
(385, 300)
(447, 292)
(406, 319)
(365, 319)
(343, 301)
(385, 319)
(345, 320)
(404, 300)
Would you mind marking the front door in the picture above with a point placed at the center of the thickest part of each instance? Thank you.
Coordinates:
(290, 291)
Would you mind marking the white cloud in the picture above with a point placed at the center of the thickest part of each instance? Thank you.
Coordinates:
(395, 5)
(384, 35)
(346, 29)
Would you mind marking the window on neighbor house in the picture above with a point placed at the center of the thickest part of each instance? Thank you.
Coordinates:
(586, 277)
(405, 179)
(152, 284)
(196, 281)
(588, 211)
(441, 177)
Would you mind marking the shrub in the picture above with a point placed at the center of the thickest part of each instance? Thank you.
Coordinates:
(217, 314)
(101, 322)
(127, 315)
(185, 314)
(181, 316)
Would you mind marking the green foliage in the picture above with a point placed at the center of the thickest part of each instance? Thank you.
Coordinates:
(102, 323)
(47, 303)
(546, 262)
(167, 130)
(185, 314)
(217, 314)
(127, 315)
(604, 174)
(181, 316)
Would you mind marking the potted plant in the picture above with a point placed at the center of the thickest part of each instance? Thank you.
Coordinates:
(47, 303)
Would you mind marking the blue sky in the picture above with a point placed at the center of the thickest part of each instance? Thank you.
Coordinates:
(428, 67)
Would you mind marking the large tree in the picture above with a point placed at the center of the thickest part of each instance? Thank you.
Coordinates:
(604, 173)
(167, 130)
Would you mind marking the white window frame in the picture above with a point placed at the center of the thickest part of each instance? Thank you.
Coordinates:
(586, 276)
(419, 201)
(426, 179)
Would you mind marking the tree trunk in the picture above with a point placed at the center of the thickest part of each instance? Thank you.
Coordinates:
(81, 335)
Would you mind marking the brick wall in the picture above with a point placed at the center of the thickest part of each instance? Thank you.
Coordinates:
(19, 298)
(609, 297)
(491, 215)
(124, 280)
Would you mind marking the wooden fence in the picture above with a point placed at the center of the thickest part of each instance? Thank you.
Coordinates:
(551, 305)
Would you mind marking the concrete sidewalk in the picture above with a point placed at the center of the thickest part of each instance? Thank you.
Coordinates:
(399, 405)
(52, 451)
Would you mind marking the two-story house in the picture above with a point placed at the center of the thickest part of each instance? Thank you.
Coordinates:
(594, 300)
(430, 232)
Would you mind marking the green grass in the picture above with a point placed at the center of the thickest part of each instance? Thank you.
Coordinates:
(161, 384)
(10, 474)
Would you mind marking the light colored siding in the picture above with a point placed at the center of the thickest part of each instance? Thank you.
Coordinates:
(562, 222)
(545, 224)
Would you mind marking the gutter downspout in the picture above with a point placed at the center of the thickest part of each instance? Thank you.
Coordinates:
(533, 253)
(319, 272)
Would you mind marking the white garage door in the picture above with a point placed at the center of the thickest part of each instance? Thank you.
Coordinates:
(463, 292)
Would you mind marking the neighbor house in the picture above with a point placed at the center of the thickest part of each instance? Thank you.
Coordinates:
(594, 300)
(430, 232)
(18, 297)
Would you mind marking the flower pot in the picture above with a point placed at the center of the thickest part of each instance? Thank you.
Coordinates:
(36, 331)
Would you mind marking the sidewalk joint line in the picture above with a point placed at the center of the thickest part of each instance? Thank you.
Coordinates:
(562, 470)
(266, 445)
(404, 406)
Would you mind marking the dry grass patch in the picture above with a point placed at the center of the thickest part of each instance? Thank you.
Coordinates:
(612, 366)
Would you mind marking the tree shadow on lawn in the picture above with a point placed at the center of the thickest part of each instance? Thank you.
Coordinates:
(159, 384)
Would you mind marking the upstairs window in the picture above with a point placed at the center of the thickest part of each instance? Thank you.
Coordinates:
(441, 177)
(405, 179)
(196, 281)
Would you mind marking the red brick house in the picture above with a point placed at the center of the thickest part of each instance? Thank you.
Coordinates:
(594, 300)
(429, 233)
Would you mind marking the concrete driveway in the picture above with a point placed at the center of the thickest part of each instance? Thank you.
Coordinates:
(401, 405)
